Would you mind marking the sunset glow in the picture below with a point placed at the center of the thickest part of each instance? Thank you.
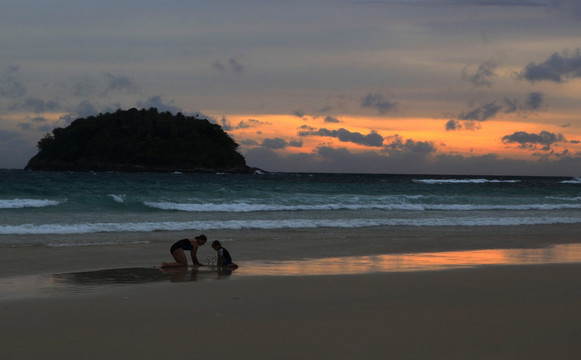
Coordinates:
(418, 262)
(388, 86)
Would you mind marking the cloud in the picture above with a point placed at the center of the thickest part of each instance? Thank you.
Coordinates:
(37, 105)
(557, 68)
(452, 125)
(217, 64)
(84, 88)
(120, 83)
(535, 101)
(10, 86)
(481, 113)
(525, 140)
(396, 146)
(156, 102)
(332, 119)
(378, 102)
(250, 123)
(226, 124)
(483, 75)
(341, 160)
(235, 66)
(280, 143)
(299, 113)
(276, 143)
(344, 135)
(232, 65)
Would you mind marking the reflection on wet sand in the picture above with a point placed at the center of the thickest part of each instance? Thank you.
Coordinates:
(139, 276)
(416, 261)
(33, 286)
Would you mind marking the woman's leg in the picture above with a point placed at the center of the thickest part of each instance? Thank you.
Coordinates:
(180, 257)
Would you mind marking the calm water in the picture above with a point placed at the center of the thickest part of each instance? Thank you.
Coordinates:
(80, 203)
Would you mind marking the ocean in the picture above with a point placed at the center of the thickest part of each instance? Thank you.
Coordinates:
(68, 203)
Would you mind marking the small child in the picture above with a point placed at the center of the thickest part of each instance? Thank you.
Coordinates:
(224, 258)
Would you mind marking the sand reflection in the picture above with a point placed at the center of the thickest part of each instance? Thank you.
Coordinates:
(416, 262)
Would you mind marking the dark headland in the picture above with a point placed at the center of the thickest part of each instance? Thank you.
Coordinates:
(139, 141)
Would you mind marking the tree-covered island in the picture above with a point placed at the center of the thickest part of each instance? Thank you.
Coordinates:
(139, 140)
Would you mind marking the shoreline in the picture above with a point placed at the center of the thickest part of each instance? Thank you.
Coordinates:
(53, 253)
(22, 287)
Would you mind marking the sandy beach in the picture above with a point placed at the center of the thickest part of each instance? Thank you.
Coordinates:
(508, 312)
(112, 303)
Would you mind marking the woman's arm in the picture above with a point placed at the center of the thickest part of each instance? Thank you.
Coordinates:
(194, 255)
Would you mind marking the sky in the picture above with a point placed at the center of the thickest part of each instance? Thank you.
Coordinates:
(475, 87)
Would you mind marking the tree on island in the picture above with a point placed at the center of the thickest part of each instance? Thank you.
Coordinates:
(139, 140)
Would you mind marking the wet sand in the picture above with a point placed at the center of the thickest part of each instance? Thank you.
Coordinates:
(107, 311)
(498, 312)
(150, 249)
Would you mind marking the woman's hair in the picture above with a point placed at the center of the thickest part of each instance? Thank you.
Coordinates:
(216, 243)
(201, 237)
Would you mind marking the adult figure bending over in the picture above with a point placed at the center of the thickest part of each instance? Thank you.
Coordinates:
(178, 251)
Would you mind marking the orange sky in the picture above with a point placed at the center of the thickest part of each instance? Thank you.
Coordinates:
(486, 139)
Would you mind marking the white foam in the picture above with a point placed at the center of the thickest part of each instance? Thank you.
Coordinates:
(27, 203)
(462, 181)
(118, 198)
(248, 207)
(576, 180)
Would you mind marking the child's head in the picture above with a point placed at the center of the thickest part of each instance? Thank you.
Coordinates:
(216, 245)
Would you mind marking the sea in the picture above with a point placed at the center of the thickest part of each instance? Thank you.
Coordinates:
(39, 203)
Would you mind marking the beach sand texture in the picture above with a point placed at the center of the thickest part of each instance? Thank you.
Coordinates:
(485, 312)
(506, 312)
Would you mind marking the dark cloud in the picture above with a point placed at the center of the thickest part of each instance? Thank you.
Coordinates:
(249, 142)
(217, 64)
(156, 102)
(280, 143)
(544, 139)
(38, 105)
(557, 68)
(535, 101)
(397, 146)
(120, 83)
(275, 143)
(481, 113)
(327, 159)
(299, 113)
(233, 65)
(295, 143)
(85, 109)
(510, 105)
(38, 123)
(332, 119)
(10, 86)
(84, 88)
(378, 102)
(250, 123)
(103, 85)
(225, 124)
(452, 125)
(371, 139)
(483, 75)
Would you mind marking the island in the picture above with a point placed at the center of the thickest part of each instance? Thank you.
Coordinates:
(139, 141)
